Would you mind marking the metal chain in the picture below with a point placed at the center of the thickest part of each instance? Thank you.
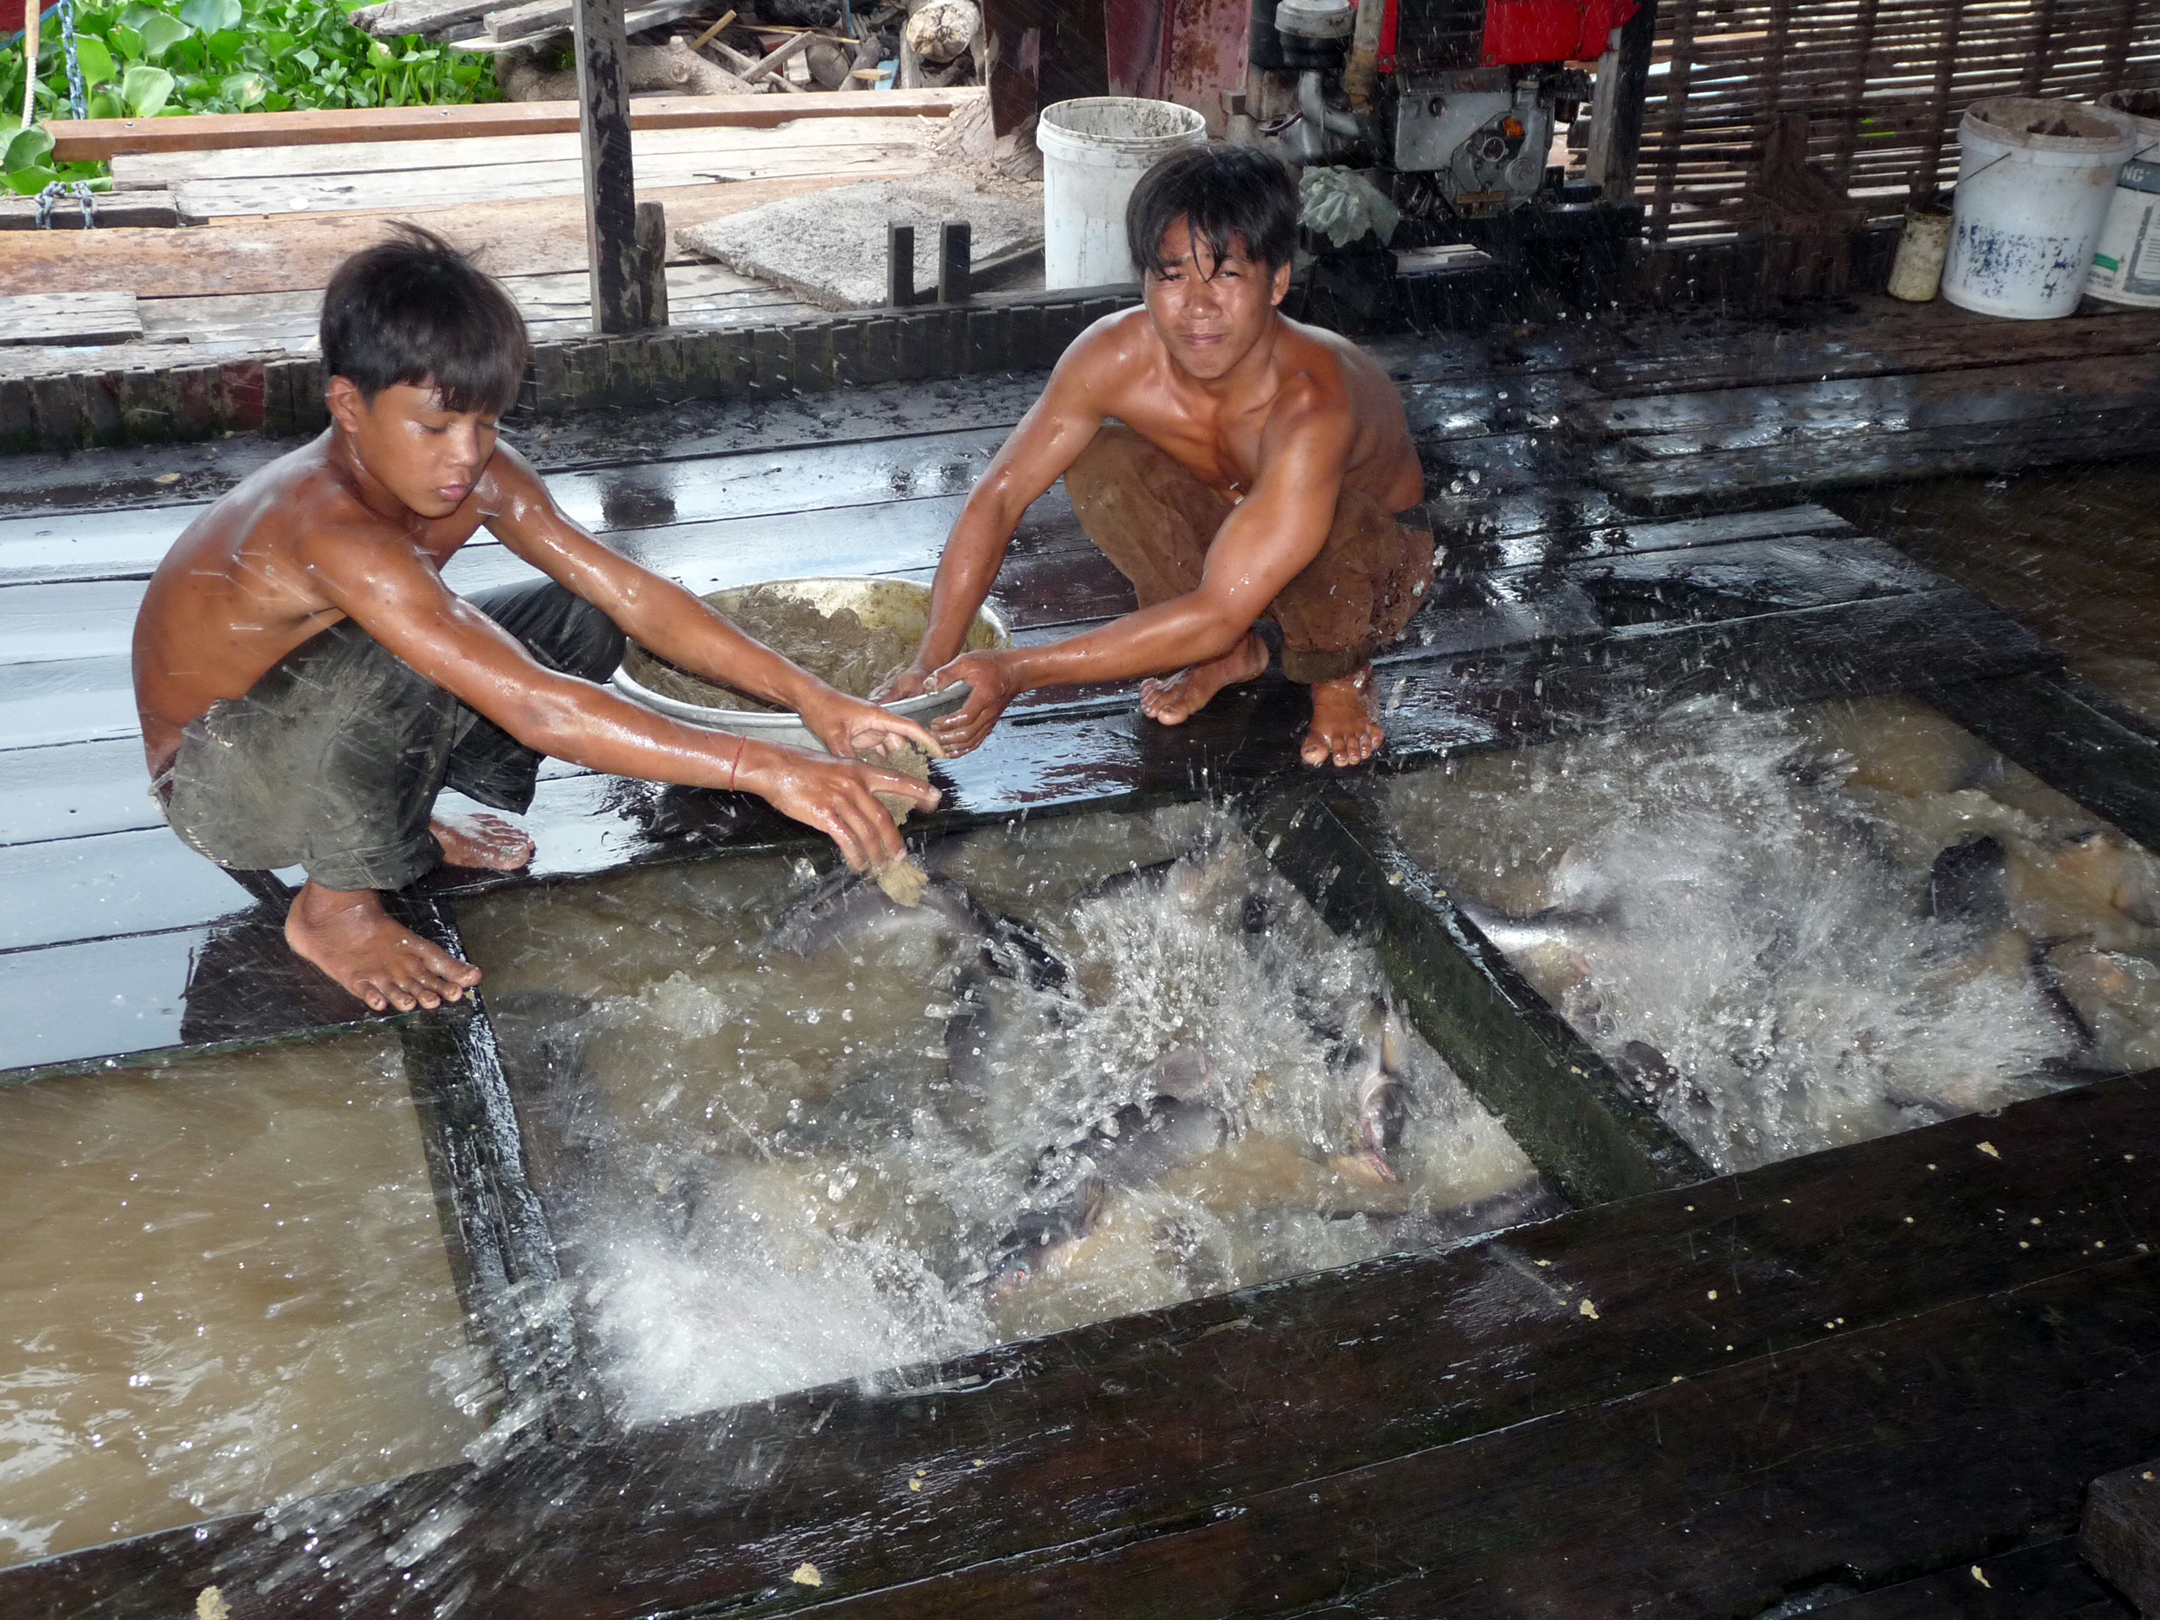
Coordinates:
(79, 105)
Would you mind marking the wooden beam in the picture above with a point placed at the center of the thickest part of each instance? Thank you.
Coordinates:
(618, 303)
(297, 252)
(69, 317)
(96, 140)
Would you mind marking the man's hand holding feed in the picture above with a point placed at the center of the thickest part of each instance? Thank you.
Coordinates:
(836, 796)
(853, 729)
(991, 683)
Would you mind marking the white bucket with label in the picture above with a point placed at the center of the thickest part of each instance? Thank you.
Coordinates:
(2034, 182)
(2126, 259)
(1094, 152)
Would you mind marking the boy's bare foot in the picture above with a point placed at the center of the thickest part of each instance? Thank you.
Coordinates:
(488, 842)
(1344, 728)
(1172, 699)
(349, 936)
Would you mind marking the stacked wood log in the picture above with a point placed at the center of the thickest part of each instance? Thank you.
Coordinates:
(1796, 227)
(907, 44)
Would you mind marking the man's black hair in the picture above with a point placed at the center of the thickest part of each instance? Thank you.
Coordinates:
(412, 309)
(1222, 193)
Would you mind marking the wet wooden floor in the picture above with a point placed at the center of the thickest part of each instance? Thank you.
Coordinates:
(1890, 1389)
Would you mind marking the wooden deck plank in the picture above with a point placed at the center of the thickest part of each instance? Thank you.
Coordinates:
(96, 139)
(502, 153)
(1887, 343)
(1755, 418)
(482, 185)
(297, 252)
(69, 317)
(1713, 477)
(1888, 1450)
(1464, 1422)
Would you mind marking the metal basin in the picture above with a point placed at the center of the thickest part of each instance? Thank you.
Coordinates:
(897, 604)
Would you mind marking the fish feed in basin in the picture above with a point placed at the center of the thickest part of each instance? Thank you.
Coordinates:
(850, 632)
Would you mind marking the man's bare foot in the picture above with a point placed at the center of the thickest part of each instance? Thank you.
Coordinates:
(349, 936)
(1344, 728)
(1172, 699)
(488, 842)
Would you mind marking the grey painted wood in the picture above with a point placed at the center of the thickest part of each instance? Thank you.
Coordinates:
(85, 317)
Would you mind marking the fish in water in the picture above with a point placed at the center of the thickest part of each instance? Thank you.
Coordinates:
(1368, 1054)
(1137, 1145)
(851, 909)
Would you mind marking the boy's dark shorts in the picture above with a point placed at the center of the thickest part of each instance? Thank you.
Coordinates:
(1155, 521)
(334, 758)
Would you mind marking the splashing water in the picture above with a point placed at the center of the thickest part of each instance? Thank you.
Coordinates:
(1732, 908)
(773, 1172)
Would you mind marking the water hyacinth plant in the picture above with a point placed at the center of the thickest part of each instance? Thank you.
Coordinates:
(220, 56)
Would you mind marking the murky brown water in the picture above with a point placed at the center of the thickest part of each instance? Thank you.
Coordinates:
(2074, 552)
(223, 1284)
(1805, 929)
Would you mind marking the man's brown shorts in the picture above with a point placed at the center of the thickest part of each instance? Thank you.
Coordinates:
(1155, 521)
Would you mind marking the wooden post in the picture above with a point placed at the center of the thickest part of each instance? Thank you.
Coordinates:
(955, 238)
(610, 184)
(651, 233)
(1623, 151)
(899, 265)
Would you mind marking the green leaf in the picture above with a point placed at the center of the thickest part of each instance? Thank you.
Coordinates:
(146, 90)
(137, 14)
(29, 182)
(126, 41)
(212, 16)
(307, 58)
(27, 148)
(95, 61)
(103, 104)
(161, 33)
(243, 90)
(224, 48)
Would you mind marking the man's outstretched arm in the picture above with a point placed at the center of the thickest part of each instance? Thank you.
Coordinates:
(1048, 440)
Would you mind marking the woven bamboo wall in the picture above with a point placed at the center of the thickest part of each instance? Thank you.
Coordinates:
(1884, 81)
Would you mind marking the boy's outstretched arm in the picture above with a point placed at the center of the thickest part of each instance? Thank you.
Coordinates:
(372, 573)
(664, 617)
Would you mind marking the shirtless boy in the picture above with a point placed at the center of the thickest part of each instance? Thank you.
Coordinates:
(308, 684)
(1262, 469)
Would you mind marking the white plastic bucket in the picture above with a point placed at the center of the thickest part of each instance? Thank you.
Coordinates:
(1094, 152)
(2034, 181)
(2126, 259)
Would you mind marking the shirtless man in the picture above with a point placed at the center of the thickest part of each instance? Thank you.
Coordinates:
(1262, 469)
(307, 683)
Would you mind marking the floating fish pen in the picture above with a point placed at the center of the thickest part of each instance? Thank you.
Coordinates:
(1453, 1188)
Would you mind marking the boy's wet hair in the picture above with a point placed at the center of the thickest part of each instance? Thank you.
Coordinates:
(1224, 194)
(413, 310)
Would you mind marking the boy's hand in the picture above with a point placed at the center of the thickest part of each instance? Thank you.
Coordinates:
(990, 688)
(901, 683)
(835, 796)
(854, 729)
